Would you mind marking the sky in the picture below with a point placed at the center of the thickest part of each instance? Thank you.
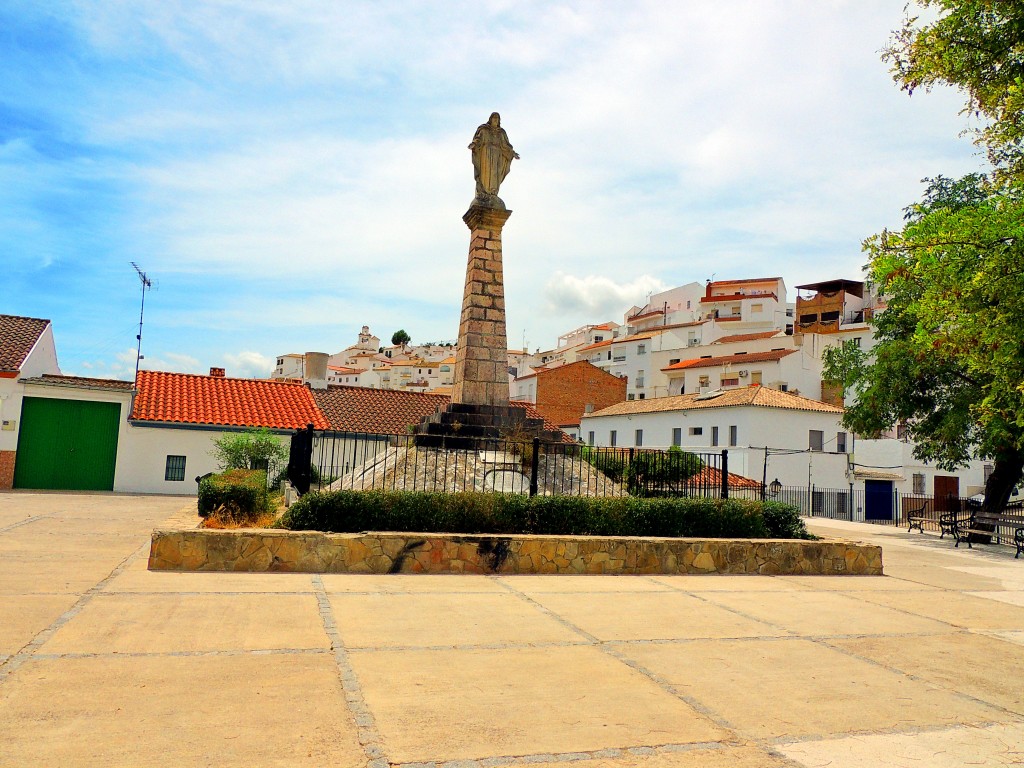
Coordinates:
(287, 171)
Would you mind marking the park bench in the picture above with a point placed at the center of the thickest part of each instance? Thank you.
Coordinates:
(917, 518)
(1011, 518)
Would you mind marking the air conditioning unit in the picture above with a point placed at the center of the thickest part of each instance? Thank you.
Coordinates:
(693, 342)
(744, 373)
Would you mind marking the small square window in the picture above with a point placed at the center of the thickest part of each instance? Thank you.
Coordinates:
(918, 481)
(696, 430)
(816, 440)
(174, 469)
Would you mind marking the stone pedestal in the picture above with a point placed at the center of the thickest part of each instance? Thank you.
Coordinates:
(481, 361)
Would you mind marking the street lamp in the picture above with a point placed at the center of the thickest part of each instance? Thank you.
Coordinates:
(774, 488)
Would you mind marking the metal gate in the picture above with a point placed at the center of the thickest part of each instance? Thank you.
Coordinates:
(878, 500)
(67, 445)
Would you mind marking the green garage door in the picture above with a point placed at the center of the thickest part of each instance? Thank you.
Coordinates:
(67, 445)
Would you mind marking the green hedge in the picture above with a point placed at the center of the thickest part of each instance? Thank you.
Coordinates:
(237, 493)
(354, 511)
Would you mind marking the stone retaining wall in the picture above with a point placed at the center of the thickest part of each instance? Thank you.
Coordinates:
(315, 552)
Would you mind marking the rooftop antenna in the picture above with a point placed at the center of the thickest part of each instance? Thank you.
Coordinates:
(146, 283)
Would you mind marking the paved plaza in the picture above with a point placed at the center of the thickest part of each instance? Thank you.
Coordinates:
(103, 663)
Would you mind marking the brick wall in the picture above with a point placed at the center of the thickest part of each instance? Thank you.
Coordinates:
(6, 470)
(563, 393)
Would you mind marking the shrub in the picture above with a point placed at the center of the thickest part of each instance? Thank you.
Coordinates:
(238, 495)
(354, 511)
(256, 448)
(783, 521)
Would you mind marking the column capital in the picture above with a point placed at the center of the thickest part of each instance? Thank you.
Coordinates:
(483, 217)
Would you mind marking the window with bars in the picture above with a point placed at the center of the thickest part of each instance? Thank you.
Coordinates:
(174, 469)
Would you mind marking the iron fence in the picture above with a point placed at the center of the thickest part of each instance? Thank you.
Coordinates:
(347, 460)
(889, 508)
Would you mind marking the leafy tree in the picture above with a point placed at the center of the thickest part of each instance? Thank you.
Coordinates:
(976, 46)
(949, 352)
(400, 337)
(256, 448)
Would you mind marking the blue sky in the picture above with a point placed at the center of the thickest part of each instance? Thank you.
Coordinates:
(287, 171)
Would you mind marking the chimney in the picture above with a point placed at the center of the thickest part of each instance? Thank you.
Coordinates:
(217, 373)
(316, 369)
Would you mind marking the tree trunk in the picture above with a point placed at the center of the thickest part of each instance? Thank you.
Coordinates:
(1006, 473)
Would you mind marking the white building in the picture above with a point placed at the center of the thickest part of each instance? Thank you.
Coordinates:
(801, 439)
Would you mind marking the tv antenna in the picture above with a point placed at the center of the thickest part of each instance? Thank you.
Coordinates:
(146, 283)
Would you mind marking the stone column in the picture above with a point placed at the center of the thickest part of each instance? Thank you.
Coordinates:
(481, 360)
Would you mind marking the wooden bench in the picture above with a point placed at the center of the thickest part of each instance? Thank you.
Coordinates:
(917, 518)
(949, 522)
(1008, 519)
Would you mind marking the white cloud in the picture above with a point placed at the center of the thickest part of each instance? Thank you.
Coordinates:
(599, 297)
(248, 364)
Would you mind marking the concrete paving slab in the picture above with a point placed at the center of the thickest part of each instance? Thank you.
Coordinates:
(408, 582)
(223, 711)
(885, 583)
(712, 757)
(944, 578)
(959, 610)
(533, 584)
(138, 578)
(985, 667)
(28, 575)
(24, 616)
(1013, 598)
(994, 745)
(1010, 637)
(1011, 574)
(458, 705)
(728, 582)
(653, 616)
(823, 613)
(129, 623)
(772, 689)
(13, 516)
(431, 620)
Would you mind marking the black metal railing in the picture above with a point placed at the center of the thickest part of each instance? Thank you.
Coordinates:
(888, 508)
(347, 460)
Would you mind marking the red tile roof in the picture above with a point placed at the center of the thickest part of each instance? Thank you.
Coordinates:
(388, 411)
(18, 335)
(82, 382)
(746, 337)
(186, 398)
(711, 477)
(712, 362)
(595, 345)
(757, 396)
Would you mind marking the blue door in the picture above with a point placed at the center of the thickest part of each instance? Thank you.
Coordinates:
(878, 500)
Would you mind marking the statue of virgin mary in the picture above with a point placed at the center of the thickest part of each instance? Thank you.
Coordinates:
(492, 159)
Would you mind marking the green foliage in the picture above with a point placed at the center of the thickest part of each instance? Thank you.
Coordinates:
(948, 358)
(647, 473)
(976, 46)
(238, 494)
(256, 448)
(421, 512)
(400, 337)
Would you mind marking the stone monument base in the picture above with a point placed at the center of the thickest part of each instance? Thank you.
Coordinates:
(465, 426)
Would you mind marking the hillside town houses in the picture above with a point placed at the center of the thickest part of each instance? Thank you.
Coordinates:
(731, 365)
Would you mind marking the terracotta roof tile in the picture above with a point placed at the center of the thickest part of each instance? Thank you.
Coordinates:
(83, 382)
(711, 477)
(746, 337)
(743, 396)
(18, 335)
(191, 399)
(387, 411)
(741, 359)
